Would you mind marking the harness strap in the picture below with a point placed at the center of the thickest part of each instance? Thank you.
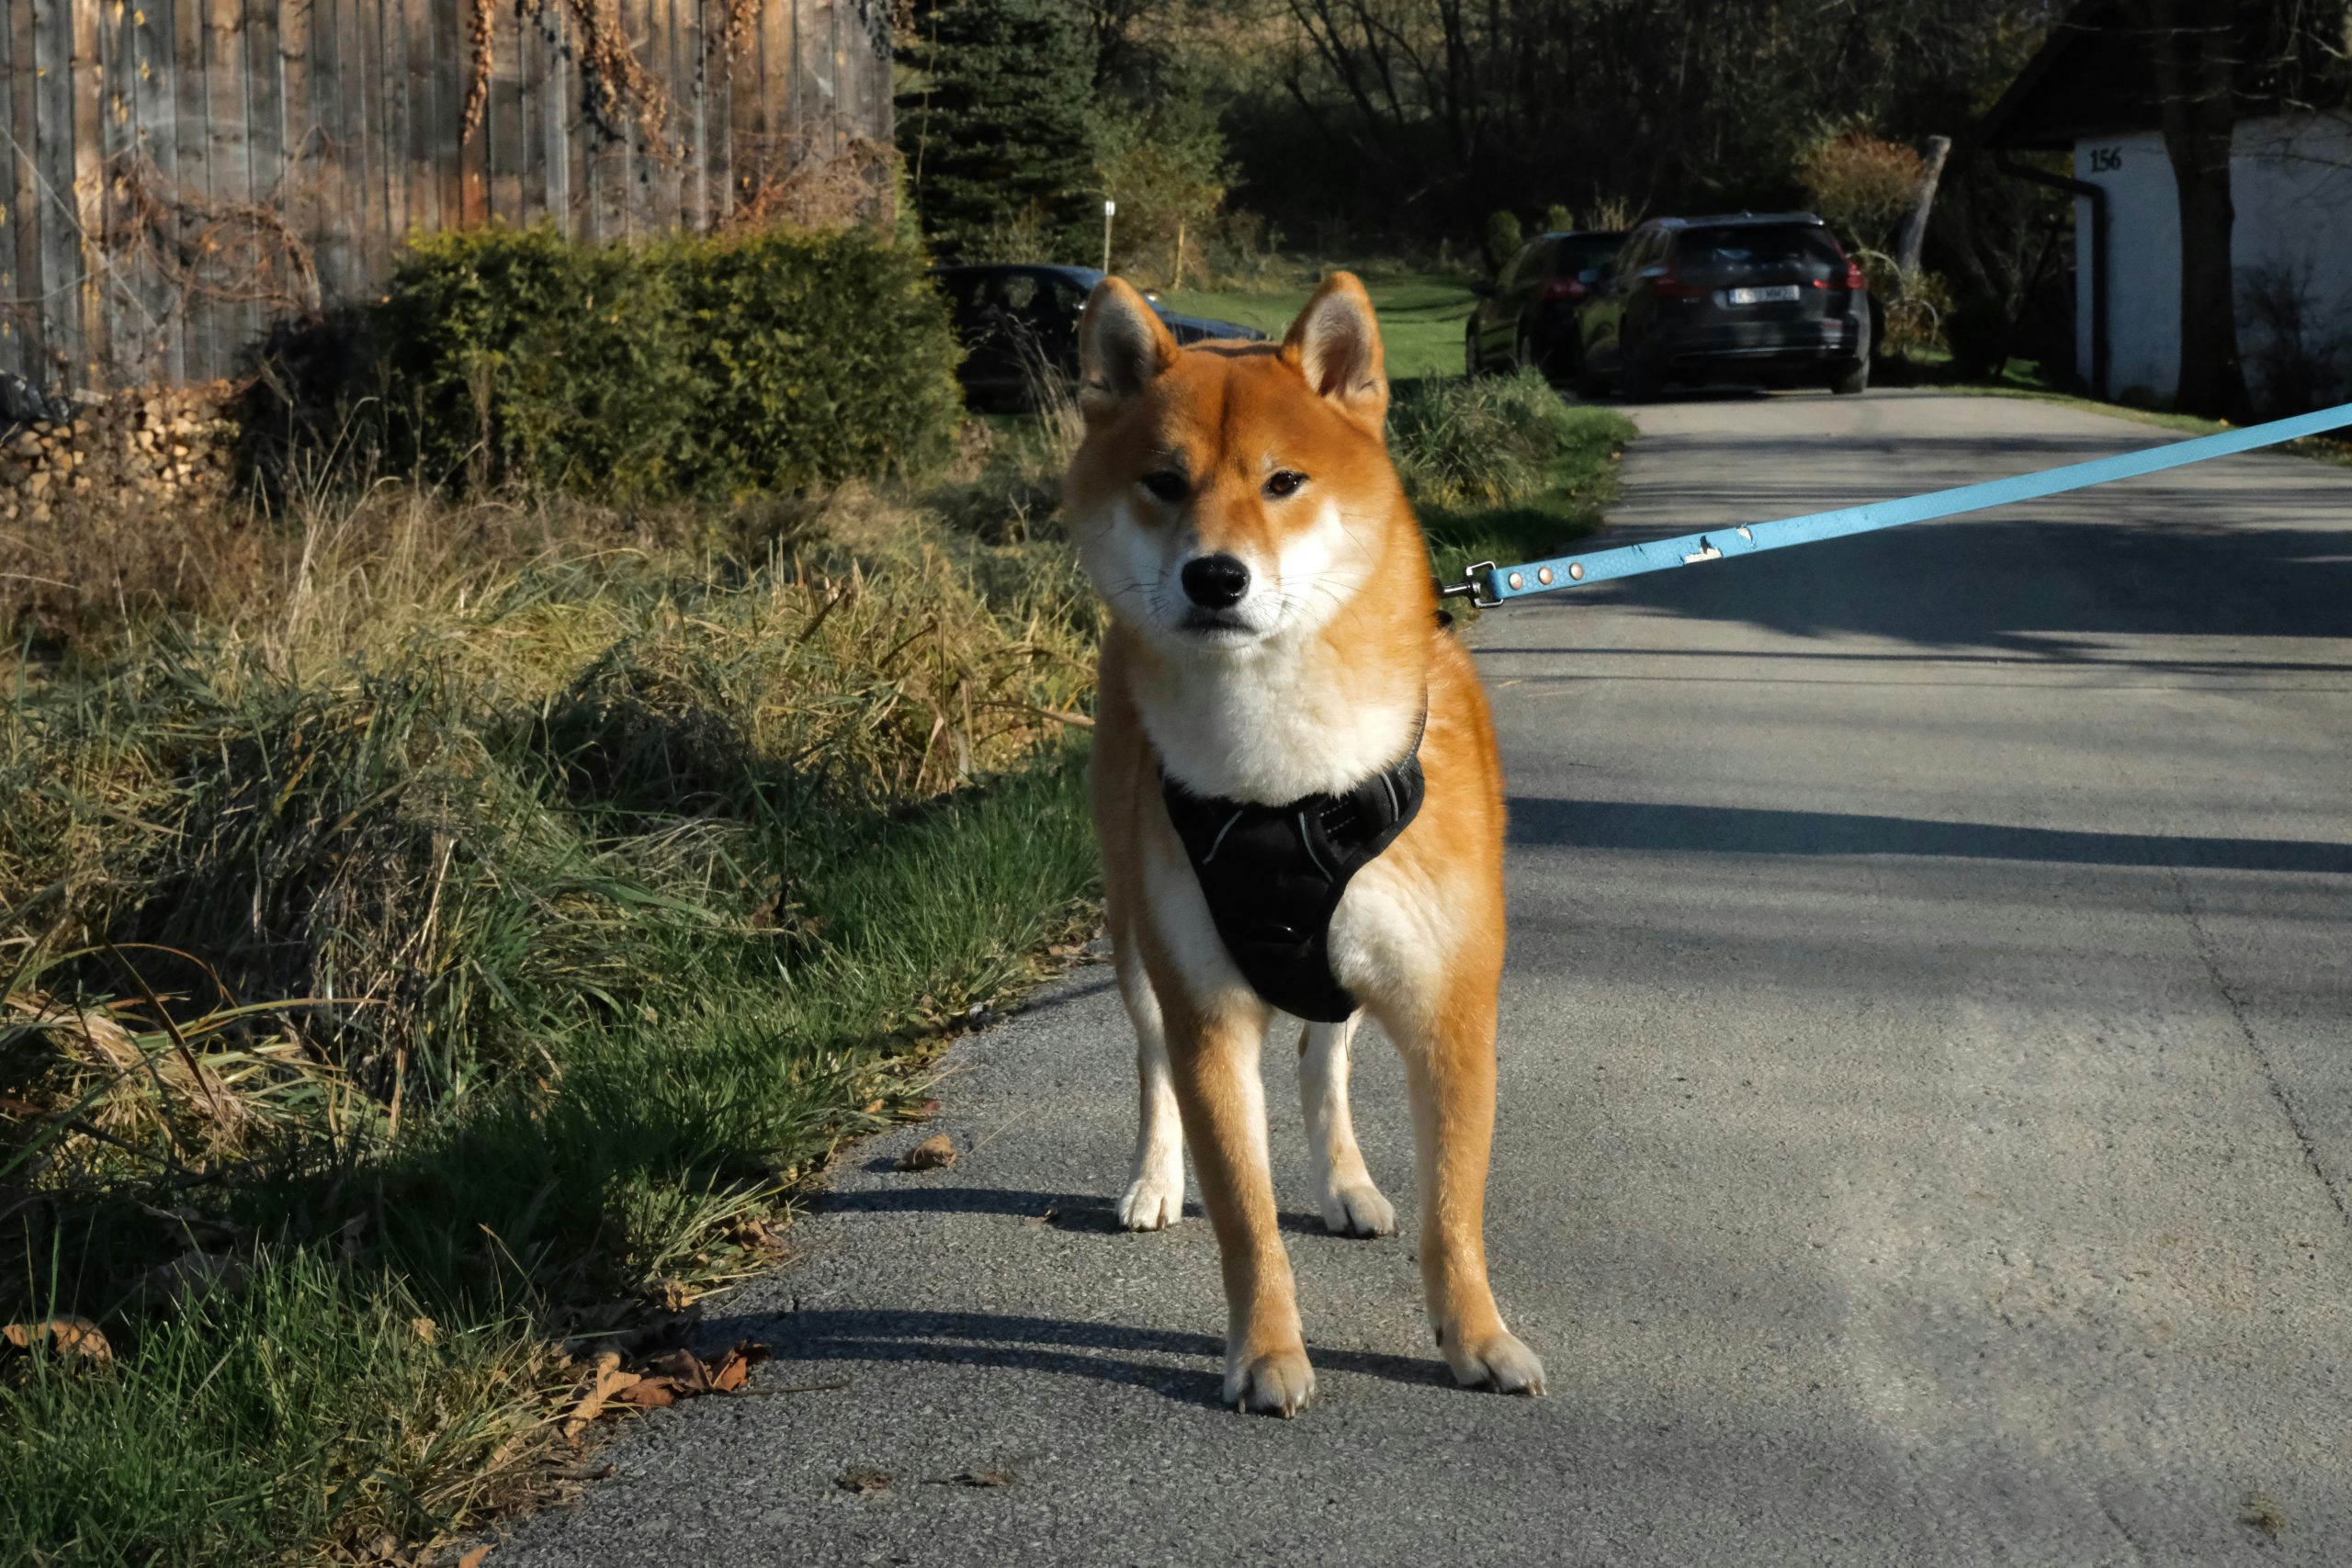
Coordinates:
(1274, 875)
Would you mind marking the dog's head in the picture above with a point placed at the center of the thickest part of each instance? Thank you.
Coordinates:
(1230, 494)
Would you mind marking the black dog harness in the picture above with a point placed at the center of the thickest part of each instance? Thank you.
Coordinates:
(1274, 875)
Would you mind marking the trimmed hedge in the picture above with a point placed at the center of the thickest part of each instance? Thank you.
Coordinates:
(694, 366)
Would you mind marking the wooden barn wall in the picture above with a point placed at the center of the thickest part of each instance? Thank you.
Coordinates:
(180, 174)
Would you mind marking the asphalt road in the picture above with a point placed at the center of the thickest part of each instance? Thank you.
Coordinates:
(1926, 1098)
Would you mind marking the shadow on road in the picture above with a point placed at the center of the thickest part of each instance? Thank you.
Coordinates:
(1634, 825)
(2272, 560)
(1103, 1352)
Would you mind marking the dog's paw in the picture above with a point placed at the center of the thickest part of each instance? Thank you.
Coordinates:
(1500, 1362)
(1279, 1383)
(1358, 1210)
(1153, 1202)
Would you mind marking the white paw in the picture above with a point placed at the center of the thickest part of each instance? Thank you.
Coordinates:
(1154, 1201)
(1500, 1362)
(1278, 1383)
(1358, 1210)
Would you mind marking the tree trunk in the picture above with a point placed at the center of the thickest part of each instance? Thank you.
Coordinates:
(1923, 197)
(2190, 45)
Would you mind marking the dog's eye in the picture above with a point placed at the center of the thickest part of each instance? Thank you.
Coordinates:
(1165, 484)
(1284, 483)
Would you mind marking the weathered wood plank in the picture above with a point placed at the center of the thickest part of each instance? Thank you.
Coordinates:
(568, 161)
(53, 149)
(746, 91)
(19, 216)
(392, 184)
(298, 129)
(328, 159)
(412, 64)
(376, 166)
(506, 141)
(448, 112)
(452, 89)
(229, 165)
(630, 123)
(779, 90)
(664, 191)
(693, 111)
(273, 290)
(96, 289)
(155, 116)
(530, 70)
(134, 329)
(193, 177)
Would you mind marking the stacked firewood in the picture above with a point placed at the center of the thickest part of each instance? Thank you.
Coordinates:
(149, 444)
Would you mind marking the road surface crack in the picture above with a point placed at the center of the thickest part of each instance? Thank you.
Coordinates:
(2208, 952)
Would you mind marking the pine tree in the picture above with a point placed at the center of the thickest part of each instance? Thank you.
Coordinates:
(993, 126)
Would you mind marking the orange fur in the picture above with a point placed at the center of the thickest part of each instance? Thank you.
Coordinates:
(1337, 657)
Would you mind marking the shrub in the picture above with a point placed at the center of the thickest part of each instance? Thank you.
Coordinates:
(1502, 239)
(711, 366)
(1862, 185)
(1559, 218)
(1495, 441)
(814, 358)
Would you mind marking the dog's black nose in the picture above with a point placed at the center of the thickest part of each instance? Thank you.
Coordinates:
(1216, 583)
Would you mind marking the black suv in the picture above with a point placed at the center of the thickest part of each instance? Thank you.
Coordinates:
(1766, 299)
(1528, 318)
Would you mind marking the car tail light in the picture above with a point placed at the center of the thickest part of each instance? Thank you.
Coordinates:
(1670, 286)
(1564, 288)
(1853, 282)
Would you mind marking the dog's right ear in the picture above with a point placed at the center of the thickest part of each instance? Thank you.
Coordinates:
(1122, 346)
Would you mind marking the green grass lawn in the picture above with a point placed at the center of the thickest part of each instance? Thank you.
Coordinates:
(1421, 316)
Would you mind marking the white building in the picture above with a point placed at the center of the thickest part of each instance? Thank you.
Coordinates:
(2089, 93)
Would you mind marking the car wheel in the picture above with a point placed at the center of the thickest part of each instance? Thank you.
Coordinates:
(1589, 385)
(1644, 380)
(1850, 381)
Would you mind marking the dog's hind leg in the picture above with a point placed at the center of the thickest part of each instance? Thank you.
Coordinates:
(1352, 1205)
(1155, 1196)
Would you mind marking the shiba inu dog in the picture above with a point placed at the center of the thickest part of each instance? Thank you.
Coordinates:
(1299, 802)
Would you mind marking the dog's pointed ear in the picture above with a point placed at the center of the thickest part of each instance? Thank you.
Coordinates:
(1122, 346)
(1335, 342)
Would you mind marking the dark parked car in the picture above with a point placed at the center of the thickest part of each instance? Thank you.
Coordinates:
(1765, 300)
(1529, 316)
(1019, 325)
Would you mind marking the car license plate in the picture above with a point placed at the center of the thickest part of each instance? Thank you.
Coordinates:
(1784, 295)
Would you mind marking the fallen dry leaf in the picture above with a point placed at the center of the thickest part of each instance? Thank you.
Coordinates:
(863, 1478)
(66, 1336)
(607, 1377)
(475, 1558)
(649, 1394)
(426, 1330)
(934, 1152)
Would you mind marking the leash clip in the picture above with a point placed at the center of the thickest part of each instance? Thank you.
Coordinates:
(1469, 587)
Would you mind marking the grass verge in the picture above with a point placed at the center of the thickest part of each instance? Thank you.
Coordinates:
(431, 930)
(1421, 315)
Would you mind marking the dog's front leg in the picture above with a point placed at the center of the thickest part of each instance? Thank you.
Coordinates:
(1214, 1056)
(1450, 1065)
(1155, 1195)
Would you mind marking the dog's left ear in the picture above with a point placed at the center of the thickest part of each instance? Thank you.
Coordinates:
(1123, 346)
(1335, 342)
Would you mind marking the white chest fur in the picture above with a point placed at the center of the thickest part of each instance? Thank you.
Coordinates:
(1272, 722)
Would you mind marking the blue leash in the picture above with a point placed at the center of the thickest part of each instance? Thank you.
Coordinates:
(1487, 584)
